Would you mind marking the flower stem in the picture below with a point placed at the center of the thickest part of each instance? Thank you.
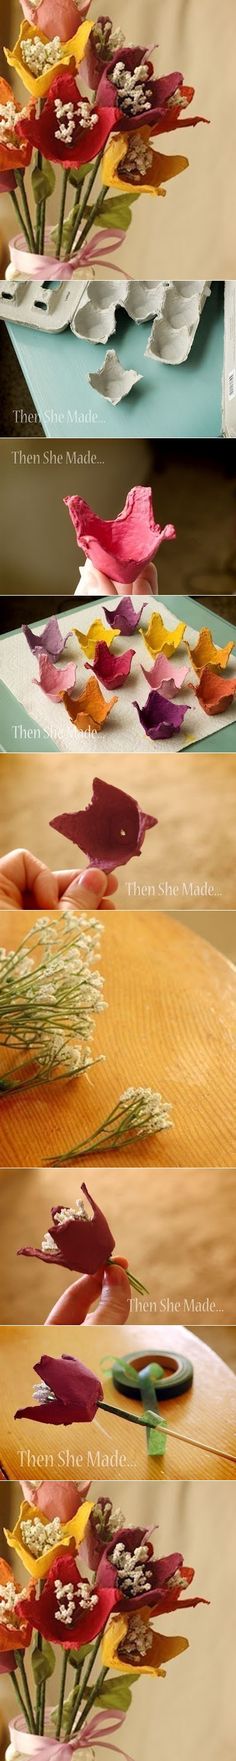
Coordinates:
(62, 212)
(130, 1417)
(20, 181)
(92, 1697)
(61, 1695)
(42, 1708)
(42, 227)
(20, 217)
(20, 1696)
(86, 1677)
(93, 215)
(27, 1692)
(80, 207)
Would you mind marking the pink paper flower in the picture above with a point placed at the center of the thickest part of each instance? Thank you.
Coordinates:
(110, 831)
(54, 680)
(59, 18)
(69, 1393)
(165, 676)
(160, 718)
(80, 1243)
(51, 641)
(70, 129)
(126, 616)
(112, 669)
(56, 1497)
(144, 1582)
(121, 547)
(70, 1610)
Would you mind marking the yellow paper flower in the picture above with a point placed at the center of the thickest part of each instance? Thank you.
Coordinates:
(130, 1644)
(159, 640)
(130, 163)
(38, 1553)
(97, 633)
(37, 60)
(206, 654)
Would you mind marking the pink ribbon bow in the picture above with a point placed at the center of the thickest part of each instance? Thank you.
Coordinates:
(39, 268)
(47, 1748)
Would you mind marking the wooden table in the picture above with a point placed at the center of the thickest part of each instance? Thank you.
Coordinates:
(108, 1448)
(169, 1026)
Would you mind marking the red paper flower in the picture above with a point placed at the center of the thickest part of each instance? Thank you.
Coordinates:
(70, 129)
(81, 1243)
(110, 831)
(120, 548)
(129, 82)
(69, 1393)
(142, 1581)
(102, 45)
(101, 1527)
(112, 669)
(70, 1610)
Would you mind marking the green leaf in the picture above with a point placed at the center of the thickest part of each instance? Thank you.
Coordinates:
(117, 211)
(43, 182)
(79, 173)
(43, 1662)
(116, 1694)
(77, 1657)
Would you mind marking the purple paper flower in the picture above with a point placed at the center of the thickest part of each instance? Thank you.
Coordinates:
(78, 1242)
(160, 718)
(54, 680)
(51, 641)
(112, 669)
(165, 675)
(126, 616)
(110, 830)
(120, 548)
(69, 1393)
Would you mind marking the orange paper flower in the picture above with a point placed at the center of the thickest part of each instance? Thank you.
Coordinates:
(130, 163)
(14, 152)
(15, 1632)
(205, 653)
(131, 1644)
(90, 710)
(159, 640)
(215, 694)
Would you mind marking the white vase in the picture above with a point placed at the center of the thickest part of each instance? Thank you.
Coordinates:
(24, 1746)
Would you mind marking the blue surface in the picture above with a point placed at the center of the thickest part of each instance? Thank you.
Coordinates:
(33, 739)
(170, 403)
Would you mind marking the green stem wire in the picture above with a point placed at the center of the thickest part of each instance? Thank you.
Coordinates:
(61, 214)
(20, 1696)
(81, 206)
(93, 216)
(91, 1698)
(21, 186)
(27, 1692)
(86, 1677)
(61, 1695)
(20, 217)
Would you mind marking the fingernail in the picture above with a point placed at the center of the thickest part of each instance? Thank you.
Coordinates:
(89, 888)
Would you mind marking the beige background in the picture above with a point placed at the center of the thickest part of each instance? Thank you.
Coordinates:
(176, 1228)
(190, 233)
(192, 1712)
(169, 1025)
(205, 1415)
(194, 841)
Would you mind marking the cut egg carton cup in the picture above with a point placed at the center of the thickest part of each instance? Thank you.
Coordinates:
(90, 309)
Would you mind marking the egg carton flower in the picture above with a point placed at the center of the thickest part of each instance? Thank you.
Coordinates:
(131, 163)
(70, 1610)
(111, 830)
(141, 97)
(15, 149)
(62, 16)
(122, 547)
(131, 1643)
(140, 1580)
(75, 1240)
(15, 1628)
(38, 60)
(38, 1539)
(71, 129)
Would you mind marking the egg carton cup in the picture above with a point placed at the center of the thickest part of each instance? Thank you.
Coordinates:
(175, 327)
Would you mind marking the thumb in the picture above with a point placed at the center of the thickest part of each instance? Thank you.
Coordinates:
(88, 889)
(114, 1303)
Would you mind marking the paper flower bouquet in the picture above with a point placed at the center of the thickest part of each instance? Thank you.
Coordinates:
(90, 104)
(93, 1584)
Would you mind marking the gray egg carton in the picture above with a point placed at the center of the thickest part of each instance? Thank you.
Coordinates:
(90, 308)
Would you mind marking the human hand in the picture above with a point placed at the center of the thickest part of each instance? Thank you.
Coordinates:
(93, 581)
(27, 884)
(110, 1285)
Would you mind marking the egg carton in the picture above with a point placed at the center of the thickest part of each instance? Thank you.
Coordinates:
(43, 305)
(175, 327)
(174, 306)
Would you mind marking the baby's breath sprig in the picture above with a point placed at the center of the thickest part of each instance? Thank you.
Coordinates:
(49, 996)
(138, 1113)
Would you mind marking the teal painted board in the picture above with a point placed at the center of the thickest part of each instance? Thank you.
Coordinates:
(170, 402)
(33, 738)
